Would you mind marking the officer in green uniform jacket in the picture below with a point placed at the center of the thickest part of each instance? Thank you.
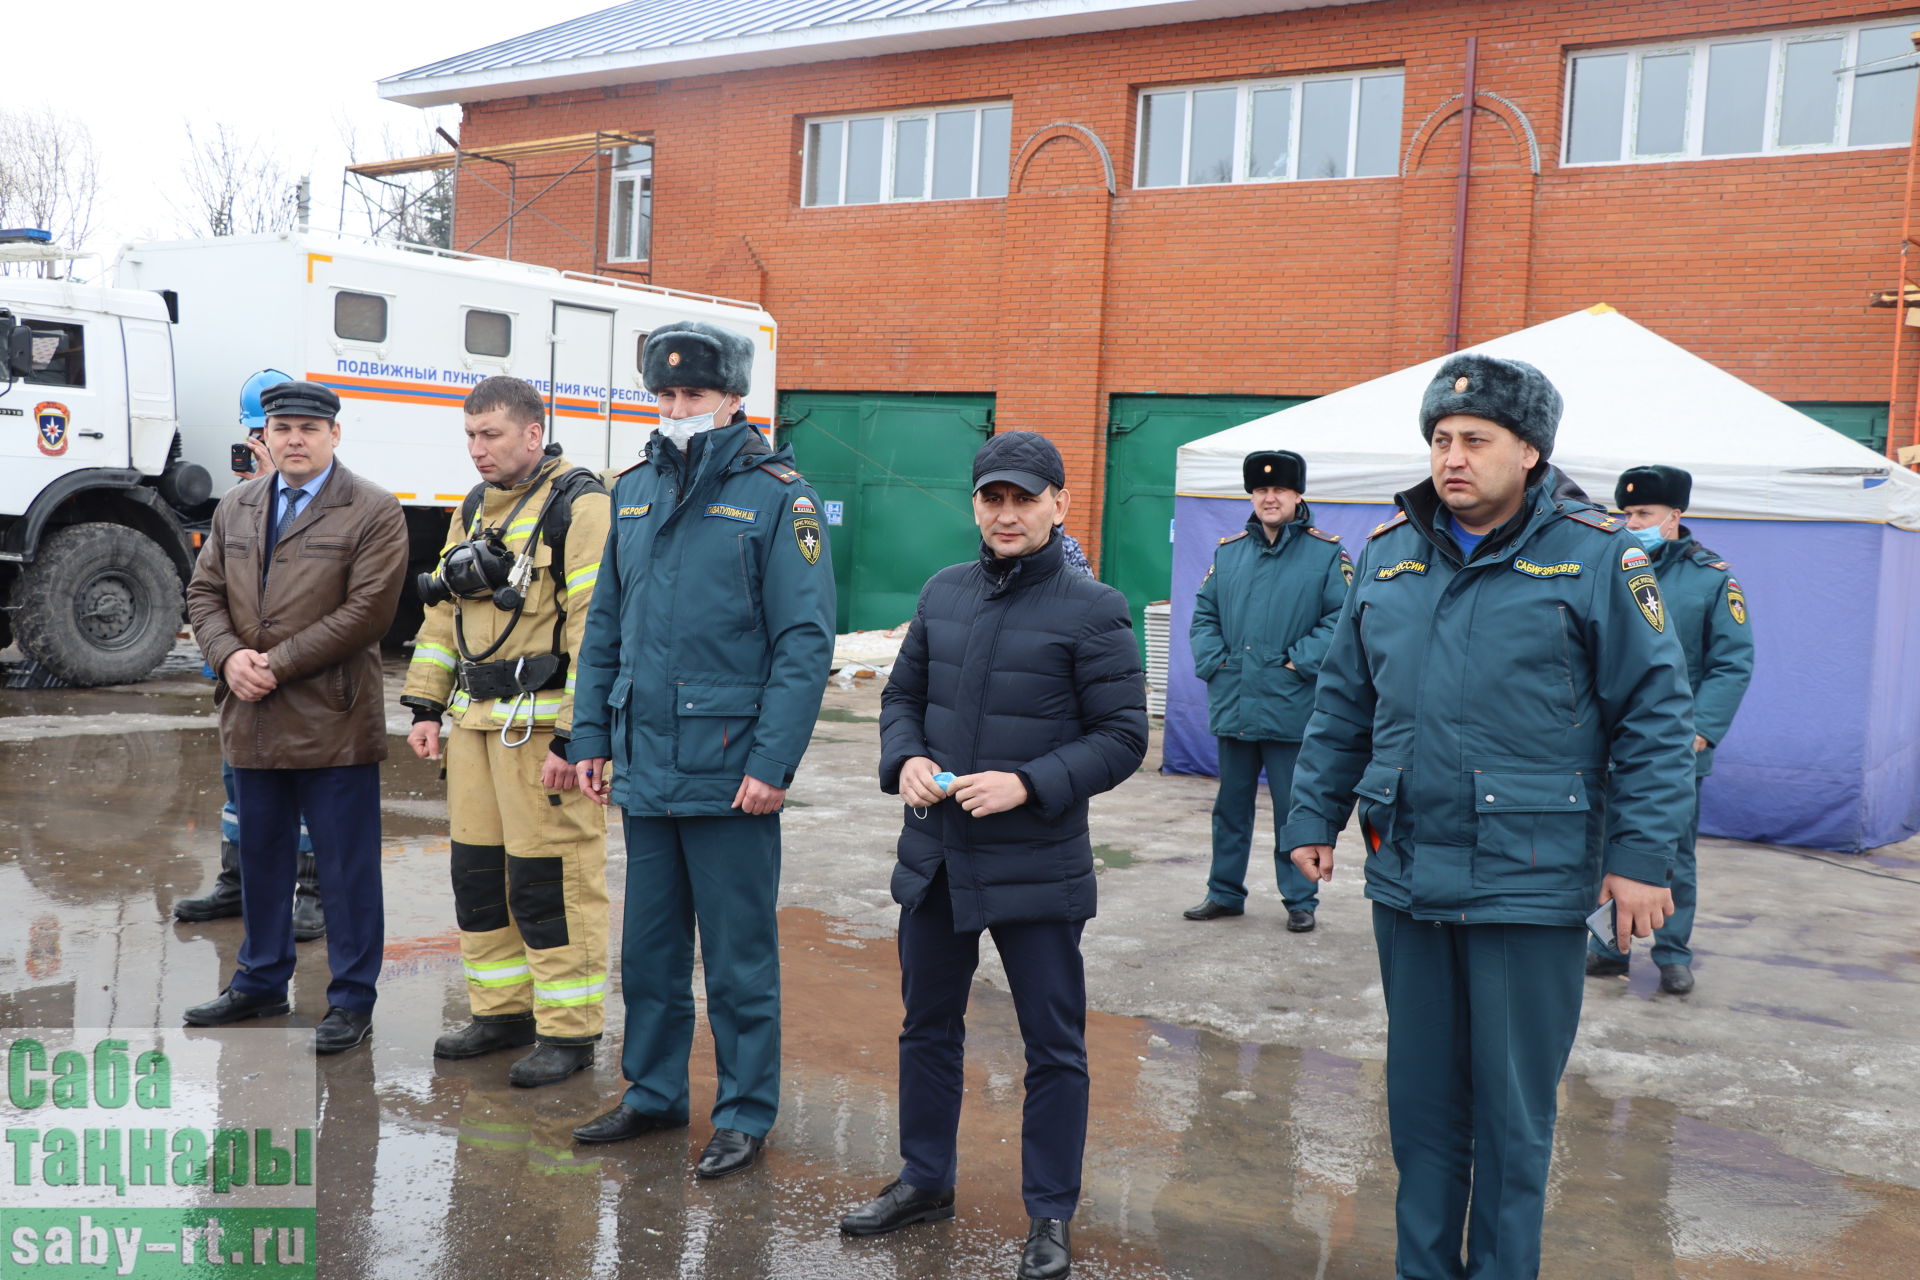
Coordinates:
(1505, 697)
(1707, 612)
(706, 651)
(1261, 623)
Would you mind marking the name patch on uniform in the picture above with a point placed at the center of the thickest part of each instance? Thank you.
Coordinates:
(806, 532)
(1395, 570)
(745, 515)
(1736, 602)
(1646, 594)
(634, 513)
(803, 505)
(1566, 569)
(1634, 558)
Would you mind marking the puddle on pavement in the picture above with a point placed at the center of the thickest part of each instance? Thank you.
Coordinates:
(1207, 1157)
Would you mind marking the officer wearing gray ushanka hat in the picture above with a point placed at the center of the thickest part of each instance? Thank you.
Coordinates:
(1503, 700)
(1510, 392)
(694, 353)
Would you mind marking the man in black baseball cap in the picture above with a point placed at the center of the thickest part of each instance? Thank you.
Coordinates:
(1016, 698)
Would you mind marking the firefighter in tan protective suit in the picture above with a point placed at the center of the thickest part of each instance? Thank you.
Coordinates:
(507, 605)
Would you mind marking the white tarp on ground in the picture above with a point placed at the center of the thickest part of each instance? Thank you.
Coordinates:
(1630, 395)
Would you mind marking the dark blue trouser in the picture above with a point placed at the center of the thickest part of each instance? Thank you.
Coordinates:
(1480, 1020)
(1049, 989)
(1240, 765)
(721, 875)
(342, 807)
(1671, 940)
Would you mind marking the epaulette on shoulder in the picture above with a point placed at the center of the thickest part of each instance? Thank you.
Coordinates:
(609, 477)
(1721, 565)
(1399, 518)
(779, 471)
(1233, 537)
(1596, 519)
(1323, 535)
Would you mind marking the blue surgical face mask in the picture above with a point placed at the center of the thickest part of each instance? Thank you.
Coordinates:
(1650, 537)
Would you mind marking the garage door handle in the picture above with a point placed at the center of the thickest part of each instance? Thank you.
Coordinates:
(94, 435)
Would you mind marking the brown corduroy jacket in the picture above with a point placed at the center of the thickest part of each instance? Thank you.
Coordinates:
(334, 583)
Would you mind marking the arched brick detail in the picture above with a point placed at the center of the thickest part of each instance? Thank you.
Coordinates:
(1515, 146)
(1081, 137)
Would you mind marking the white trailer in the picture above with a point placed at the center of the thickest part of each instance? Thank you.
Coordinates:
(126, 404)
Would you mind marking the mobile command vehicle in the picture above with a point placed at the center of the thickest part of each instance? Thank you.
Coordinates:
(122, 406)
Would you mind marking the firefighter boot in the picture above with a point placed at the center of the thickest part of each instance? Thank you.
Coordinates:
(224, 900)
(549, 1063)
(309, 914)
(479, 1037)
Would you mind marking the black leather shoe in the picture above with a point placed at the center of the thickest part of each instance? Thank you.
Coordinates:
(341, 1029)
(1049, 1251)
(477, 1038)
(624, 1122)
(1211, 910)
(728, 1152)
(1299, 920)
(234, 1006)
(1610, 965)
(549, 1064)
(898, 1205)
(1676, 979)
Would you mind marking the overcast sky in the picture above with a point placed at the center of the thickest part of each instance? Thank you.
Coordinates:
(138, 74)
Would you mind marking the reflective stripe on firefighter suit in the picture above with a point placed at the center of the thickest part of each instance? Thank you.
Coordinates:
(529, 864)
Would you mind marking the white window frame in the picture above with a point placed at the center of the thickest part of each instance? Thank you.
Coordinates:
(889, 145)
(1696, 111)
(1243, 128)
(625, 175)
(513, 324)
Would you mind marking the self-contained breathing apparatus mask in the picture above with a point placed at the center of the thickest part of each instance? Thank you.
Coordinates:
(478, 569)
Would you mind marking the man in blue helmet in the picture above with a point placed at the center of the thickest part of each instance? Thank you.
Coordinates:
(1708, 611)
(1504, 696)
(223, 900)
(707, 648)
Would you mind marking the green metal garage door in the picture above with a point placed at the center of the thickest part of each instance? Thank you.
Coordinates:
(1143, 435)
(1864, 423)
(892, 469)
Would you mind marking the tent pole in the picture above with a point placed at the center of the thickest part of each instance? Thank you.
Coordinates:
(1460, 196)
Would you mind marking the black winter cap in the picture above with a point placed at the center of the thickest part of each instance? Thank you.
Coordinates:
(1510, 392)
(299, 400)
(696, 354)
(1653, 486)
(1025, 458)
(1282, 467)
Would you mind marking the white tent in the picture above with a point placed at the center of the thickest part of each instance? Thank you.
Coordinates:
(1630, 395)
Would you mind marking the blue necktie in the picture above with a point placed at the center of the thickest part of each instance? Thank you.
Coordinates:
(293, 497)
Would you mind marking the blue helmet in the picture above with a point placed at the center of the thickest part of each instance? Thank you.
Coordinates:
(252, 416)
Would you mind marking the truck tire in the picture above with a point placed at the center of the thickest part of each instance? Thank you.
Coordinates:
(100, 604)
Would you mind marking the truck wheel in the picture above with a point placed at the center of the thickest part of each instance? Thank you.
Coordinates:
(99, 605)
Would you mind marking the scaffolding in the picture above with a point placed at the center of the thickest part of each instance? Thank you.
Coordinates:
(474, 162)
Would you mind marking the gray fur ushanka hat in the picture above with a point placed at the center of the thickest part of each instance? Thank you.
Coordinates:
(1510, 392)
(696, 354)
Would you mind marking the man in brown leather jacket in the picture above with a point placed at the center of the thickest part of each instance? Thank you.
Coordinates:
(295, 586)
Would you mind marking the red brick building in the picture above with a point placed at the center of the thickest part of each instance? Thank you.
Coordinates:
(1129, 224)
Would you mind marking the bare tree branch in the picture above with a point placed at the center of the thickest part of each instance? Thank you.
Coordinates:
(235, 185)
(49, 177)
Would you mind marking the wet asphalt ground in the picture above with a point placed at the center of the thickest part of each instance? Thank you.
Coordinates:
(1766, 1126)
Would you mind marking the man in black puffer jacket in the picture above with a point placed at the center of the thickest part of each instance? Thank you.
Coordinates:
(1023, 678)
